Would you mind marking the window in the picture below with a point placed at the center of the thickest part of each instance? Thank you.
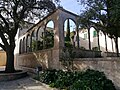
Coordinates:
(94, 33)
(85, 36)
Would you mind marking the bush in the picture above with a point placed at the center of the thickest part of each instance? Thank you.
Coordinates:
(92, 80)
(68, 44)
(87, 80)
(49, 76)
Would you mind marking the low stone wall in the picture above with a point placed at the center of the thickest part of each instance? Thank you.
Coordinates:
(86, 53)
(42, 58)
(110, 54)
(34, 59)
(79, 53)
(110, 66)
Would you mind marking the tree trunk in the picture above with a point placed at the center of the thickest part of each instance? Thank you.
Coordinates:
(106, 43)
(10, 61)
(116, 45)
(89, 38)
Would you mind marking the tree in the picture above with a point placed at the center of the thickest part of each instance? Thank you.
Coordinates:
(12, 14)
(68, 31)
(107, 13)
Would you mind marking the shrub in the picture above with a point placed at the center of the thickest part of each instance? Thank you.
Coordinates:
(92, 80)
(49, 76)
(68, 44)
(86, 80)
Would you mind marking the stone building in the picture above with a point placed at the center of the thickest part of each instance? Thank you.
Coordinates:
(45, 52)
(43, 43)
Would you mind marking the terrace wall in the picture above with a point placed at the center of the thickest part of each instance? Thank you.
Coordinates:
(110, 66)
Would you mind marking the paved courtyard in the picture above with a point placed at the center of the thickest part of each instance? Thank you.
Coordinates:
(26, 83)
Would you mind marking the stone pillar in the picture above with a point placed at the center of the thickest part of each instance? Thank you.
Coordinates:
(58, 41)
(59, 33)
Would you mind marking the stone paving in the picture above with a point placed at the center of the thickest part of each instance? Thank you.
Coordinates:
(26, 83)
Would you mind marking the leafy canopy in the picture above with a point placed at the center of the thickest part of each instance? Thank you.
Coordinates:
(13, 14)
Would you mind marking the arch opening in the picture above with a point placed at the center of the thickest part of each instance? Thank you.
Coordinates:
(48, 35)
(69, 33)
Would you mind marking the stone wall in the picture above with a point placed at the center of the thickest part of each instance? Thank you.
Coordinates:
(110, 66)
(42, 58)
(110, 54)
(34, 59)
(86, 53)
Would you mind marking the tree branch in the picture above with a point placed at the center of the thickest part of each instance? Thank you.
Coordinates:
(3, 38)
(7, 12)
(4, 20)
(3, 47)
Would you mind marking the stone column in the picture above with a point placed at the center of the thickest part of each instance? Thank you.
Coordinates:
(58, 41)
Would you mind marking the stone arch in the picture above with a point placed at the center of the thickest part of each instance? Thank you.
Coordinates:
(49, 34)
(70, 19)
(70, 31)
(28, 48)
(33, 41)
(24, 46)
(39, 35)
(50, 20)
(20, 47)
(94, 38)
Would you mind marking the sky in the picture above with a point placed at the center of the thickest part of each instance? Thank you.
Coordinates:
(72, 5)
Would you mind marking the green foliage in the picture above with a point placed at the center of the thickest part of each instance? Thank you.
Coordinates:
(46, 43)
(34, 45)
(67, 56)
(86, 80)
(92, 80)
(104, 15)
(39, 45)
(49, 76)
(68, 44)
(72, 34)
(48, 40)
